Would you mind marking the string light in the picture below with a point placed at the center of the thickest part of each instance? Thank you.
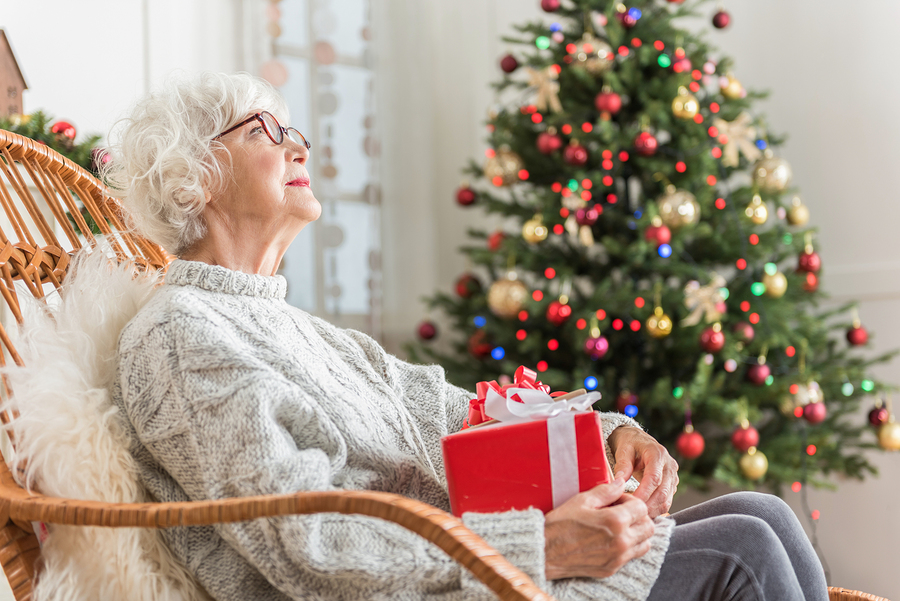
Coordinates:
(623, 156)
(754, 239)
(537, 295)
(566, 129)
(730, 365)
(479, 321)
(790, 351)
(757, 289)
(867, 385)
(557, 187)
(541, 366)
(788, 239)
(542, 42)
(498, 353)
(558, 229)
(769, 380)
(714, 107)
(607, 180)
(725, 293)
(680, 167)
(617, 324)
(796, 486)
(664, 61)
(590, 382)
(639, 302)
(798, 412)
(581, 324)
(745, 306)
(659, 45)
(521, 334)
(601, 314)
(761, 144)
(710, 179)
(537, 118)
(720, 202)
(754, 318)
(811, 450)
(741, 264)
(490, 153)
(771, 268)
(631, 410)
(794, 389)
(847, 389)
(553, 344)
(678, 392)
(664, 251)
(587, 127)
(716, 152)
(523, 315)
(636, 42)
(587, 184)
(815, 514)
(549, 273)
(612, 199)
(635, 325)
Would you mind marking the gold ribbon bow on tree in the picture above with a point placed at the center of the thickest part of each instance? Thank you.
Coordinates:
(582, 233)
(741, 137)
(701, 301)
(544, 81)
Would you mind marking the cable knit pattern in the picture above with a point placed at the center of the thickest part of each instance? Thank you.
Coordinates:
(230, 391)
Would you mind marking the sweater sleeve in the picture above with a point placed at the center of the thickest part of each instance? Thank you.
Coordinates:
(224, 424)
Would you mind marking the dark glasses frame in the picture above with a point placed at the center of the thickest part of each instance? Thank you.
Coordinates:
(277, 136)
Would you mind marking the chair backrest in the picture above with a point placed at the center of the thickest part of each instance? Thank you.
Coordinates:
(49, 207)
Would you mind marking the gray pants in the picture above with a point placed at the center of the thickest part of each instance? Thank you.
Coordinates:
(742, 546)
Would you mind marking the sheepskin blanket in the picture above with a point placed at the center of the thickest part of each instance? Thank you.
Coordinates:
(70, 439)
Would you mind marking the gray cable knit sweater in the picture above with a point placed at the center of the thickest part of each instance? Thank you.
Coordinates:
(231, 392)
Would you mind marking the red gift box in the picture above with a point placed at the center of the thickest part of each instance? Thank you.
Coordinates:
(542, 456)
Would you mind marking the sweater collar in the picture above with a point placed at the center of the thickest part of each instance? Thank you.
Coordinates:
(216, 278)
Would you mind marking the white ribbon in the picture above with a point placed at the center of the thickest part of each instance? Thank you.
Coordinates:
(561, 438)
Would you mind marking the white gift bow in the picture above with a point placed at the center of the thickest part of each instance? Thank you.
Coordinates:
(561, 438)
(536, 404)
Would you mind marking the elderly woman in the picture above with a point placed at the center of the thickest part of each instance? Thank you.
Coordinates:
(231, 392)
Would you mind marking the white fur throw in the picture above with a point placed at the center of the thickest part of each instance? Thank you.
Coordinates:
(70, 441)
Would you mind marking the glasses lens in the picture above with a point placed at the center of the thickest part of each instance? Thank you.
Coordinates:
(296, 137)
(272, 127)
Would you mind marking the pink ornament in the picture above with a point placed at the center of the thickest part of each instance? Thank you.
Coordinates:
(814, 413)
(587, 216)
(548, 143)
(757, 374)
(558, 313)
(596, 347)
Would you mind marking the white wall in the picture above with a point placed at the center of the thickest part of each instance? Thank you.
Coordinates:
(831, 69)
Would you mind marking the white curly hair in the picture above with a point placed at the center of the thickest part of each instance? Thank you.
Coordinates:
(164, 156)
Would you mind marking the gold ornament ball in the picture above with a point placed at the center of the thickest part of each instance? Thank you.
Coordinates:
(889, 436)
(534, 230)
(685, 105)
(772, 174)
(798, 214)
(593, 55)
(659, 325)
(733, 89)
(678, 208)
(754, 464)
(506, 297)
(506, 165)
(776, 284)
(757, 211)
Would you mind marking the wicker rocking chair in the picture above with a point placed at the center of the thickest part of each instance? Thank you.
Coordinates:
(37, 257)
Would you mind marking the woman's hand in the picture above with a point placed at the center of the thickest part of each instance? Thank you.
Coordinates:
(596, 532)
(638, 453)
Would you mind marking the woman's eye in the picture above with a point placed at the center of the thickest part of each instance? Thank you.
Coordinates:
(257, 130)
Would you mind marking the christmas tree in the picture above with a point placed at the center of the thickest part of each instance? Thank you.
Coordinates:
(660, 255)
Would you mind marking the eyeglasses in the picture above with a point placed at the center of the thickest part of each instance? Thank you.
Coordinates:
(272, 128)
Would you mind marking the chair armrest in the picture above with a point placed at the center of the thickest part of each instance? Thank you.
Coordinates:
(442, 529)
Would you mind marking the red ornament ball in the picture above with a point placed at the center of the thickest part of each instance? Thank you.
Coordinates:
(495, 240)
(645, 144)
(626, 20)
(548, 143)
(608, 102)
(99, 157)
(596, 347)
(690, 444)
(509, 63)
(479, 347)
(878, 416)
(857, 336)
(575, 155)
(712, 340)
(658, 234)
(465, 196)
(625, 398)
(744, 438)
(63, 129)
(811, 283)
(810, 262)
(427, 330)
(558, 313)
(744, 332)
(467, 285)
(814, 413)
(587, 216)
(721, 19)
(757, 374)
(682, 65)
(550, 6)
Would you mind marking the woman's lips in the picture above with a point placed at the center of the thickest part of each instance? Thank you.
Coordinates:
(300, 181)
